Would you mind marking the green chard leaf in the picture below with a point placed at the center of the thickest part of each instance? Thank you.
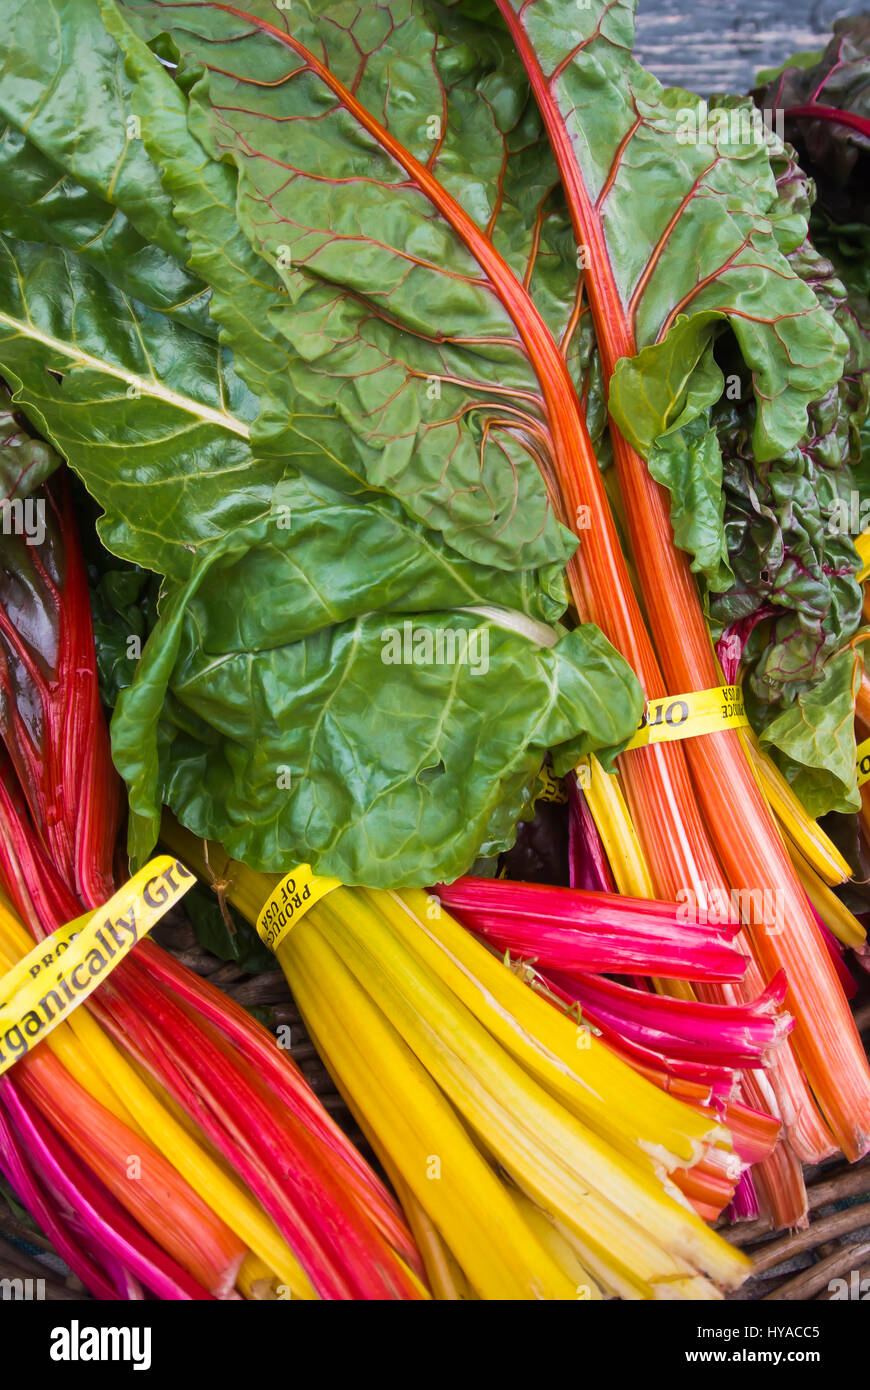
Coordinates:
(40, 203)
(704, 258)
(813, 740)
(705, 248)
(62, 84)
(286, 722)
(387, 745)
(124, 610)
(718, 328)
(151, 414)
(399, 348)
(242, 945)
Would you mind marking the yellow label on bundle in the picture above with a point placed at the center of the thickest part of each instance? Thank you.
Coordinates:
(42, 990)
(297, 891)
(551, 788)
(687, 716)
(862, 762)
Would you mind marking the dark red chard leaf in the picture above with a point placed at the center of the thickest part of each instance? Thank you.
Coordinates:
(51, 719)
(540, 854)
(826, 107)
(25, 462)
(789, 521)
(587, 860)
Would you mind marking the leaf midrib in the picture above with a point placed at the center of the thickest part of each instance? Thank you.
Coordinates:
(146, 386)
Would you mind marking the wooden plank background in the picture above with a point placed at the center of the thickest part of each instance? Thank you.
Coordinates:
(714, 47)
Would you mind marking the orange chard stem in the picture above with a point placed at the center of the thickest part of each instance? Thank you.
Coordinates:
(749, 846)
(657, 784)
(862, 707)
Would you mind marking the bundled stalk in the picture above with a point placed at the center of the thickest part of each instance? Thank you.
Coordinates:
(684, 847)
(475, 1073)
(426, 372)
(697, 1050)
(590, 932)
(235, 1160)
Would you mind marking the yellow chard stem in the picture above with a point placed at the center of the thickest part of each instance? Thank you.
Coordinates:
(446, 1279)
(255, 1280)
(614, 824)
(798, 826)
(348, 970)
(609, 1201)
(563, 1245)
(835, 915)
(410, 1120)
(569, 1060)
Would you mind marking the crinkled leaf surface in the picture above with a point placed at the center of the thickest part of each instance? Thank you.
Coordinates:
(704, 253)
(375, 770)
(42, 203)
(393, 329)
(814, 739)
(340, 553)
(790, 522)
(687, 460)
(63, 86)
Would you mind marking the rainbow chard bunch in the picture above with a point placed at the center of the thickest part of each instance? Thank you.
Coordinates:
(531, 1161)
(159, 1137)
(565, 942)
(234, 458)
(341, 312)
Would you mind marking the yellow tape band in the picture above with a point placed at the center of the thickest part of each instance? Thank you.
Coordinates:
(42, 990)
(297, 891)
(549, 788)
(862, 762)
(687, 716)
